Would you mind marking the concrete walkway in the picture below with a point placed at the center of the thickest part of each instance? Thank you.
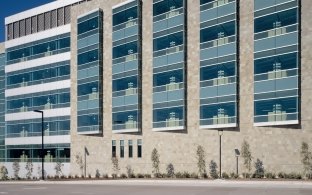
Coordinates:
(151, 182)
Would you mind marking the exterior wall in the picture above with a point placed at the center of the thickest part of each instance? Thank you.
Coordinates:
(277, 146)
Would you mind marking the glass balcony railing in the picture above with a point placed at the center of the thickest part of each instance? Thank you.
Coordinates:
(279, 74)
(218, 120)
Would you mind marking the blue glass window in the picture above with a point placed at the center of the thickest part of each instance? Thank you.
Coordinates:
(165, 6)
(123, 117)
(88, 120)
(123, 83)
(211, 72)
(88, 25)
(210, 111)
(218, 31)
(125, 15)
(87, 88)
(289, 105)
(87, 57)
(126, 49)
(205, 1)
(286, 61)
(163, 114)
(283, 18)
(168, 41)
(165, 77)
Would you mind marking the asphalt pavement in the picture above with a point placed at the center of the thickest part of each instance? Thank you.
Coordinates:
(157, 187)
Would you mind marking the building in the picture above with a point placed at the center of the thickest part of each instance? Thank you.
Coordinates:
(119, 78)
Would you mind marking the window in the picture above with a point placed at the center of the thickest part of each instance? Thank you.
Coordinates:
(130, 148)
(139, 148)
(88, 25)
(122, 149)
(113, 148)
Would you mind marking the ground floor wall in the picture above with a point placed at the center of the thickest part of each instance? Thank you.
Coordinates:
(279, 149)
(49, 169)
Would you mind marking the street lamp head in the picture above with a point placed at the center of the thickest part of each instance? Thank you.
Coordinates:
(220, 132)
(237, 153)
(40, 111)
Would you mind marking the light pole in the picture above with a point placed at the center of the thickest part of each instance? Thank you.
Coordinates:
(237, 154)
(220, 132)
(42, 143)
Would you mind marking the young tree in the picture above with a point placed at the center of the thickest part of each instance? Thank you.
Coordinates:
(115, 163)
(306, 159)
(213, 169)
(79, 162)
(29, 168)
(3, 173)
(58, 169)
(246, 154)
(155, 161)
(201, 160)
(130, 172)
(16, 169)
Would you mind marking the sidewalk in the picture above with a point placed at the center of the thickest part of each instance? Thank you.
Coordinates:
(151, 182)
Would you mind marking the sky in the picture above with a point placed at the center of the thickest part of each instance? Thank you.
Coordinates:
(11, 7)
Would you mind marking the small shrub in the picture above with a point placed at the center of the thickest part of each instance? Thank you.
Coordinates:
(205, 175)
(281, 175)
(76, 177)
(179, 175)
(147, 176)
(139, 175)
(89, 176)
(114, 176)
(213, 169)
(69, 176)
(170, 170)
(130, 172)
(270, 175)
(186, 174)
(97, 174)
(123, 176)
(225, 175)
(246, 175)
(234, 175)
(194, 175)
(105, 176)
(294, 176)
(62, 176)
(259, 173)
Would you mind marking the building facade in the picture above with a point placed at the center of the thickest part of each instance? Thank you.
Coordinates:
(120, 78)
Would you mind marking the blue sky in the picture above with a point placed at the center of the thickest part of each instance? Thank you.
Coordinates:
(10, 7)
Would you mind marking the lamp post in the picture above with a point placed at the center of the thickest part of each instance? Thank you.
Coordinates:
(220, 132)
(237, 154)
(42, 143)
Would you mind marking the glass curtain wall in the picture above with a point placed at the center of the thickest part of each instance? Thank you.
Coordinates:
(218, 63)
(2, 107)
(89, 74)
(276, 62)
(169, 64)
(126, 92)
